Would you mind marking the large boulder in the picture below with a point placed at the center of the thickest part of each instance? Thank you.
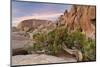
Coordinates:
(83, 17)
(18, 43)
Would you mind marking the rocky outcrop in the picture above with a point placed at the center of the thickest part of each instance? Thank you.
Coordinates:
(80, 17)
(18, 43)
(31, 24)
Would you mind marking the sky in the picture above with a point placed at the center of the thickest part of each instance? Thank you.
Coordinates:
(35, 10)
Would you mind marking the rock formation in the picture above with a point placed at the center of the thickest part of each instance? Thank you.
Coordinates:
(31, 24)
(80, 17)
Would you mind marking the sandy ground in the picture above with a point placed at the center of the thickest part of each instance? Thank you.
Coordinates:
(39, 59)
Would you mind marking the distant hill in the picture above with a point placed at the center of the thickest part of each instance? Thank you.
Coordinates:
(31, 24)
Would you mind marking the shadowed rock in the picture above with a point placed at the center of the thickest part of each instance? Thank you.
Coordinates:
(19, 52)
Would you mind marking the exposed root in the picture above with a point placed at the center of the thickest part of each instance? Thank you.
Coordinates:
(77, 53)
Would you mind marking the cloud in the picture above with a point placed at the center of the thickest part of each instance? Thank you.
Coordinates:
(25, 10)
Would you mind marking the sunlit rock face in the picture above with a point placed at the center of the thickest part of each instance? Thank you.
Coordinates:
(80, 17)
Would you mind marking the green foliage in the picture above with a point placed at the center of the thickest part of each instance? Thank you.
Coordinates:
(52, 42)
(89, 50)
(85, 45)
(75, 39)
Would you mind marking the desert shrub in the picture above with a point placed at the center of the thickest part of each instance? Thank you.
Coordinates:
(52, 42)
(75, 39)
(85, 45)
(89, 50)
